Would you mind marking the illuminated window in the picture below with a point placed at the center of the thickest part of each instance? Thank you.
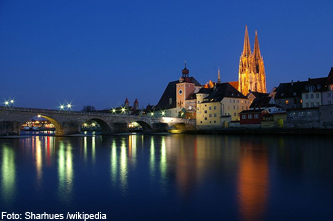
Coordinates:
(287, 101)
(250, 116)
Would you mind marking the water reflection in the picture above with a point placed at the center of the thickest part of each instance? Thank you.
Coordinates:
(114, 162)
(65, 172)
(8, 172)
(123, 164)
(253, 182)
(227, 177)
(93, 148)
(163, 162)
(152, 156)
(37, 147)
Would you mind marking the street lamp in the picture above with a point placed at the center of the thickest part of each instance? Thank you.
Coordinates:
(62, 107)
(11, 102)
(6, 103)
(69, 106)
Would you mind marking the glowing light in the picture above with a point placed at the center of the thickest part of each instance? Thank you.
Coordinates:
(39, 115)
(113, 110)
(123, 109)
(152, 114)
(163, 113)
(69, 106)
(6, 103)
(62, 107)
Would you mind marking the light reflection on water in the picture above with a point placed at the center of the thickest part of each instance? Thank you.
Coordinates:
(65, 173)
(182, 176)
(8, 178)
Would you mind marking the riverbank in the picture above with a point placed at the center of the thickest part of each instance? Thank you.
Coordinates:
(262, 131)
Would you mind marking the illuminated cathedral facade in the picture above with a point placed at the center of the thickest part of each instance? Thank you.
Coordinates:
(251, 68)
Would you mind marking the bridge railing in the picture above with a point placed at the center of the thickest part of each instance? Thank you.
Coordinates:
(52, 111)
(39, 111)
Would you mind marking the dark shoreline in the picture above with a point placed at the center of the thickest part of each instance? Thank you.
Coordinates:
(262, 131)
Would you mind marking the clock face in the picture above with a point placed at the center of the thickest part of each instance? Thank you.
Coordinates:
(180, 91)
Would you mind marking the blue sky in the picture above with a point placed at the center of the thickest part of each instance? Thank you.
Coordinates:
(100, 52)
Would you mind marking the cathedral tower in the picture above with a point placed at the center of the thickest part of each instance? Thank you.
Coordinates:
(251, 68)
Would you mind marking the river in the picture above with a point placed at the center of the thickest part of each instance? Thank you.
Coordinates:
(169, 177)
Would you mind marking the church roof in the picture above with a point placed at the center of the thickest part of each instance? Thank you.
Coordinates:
(234, 84)
(168, 99)
(222, 90)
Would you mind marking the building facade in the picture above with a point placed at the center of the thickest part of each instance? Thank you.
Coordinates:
(178, 99)
(251, 75)
(219, 105)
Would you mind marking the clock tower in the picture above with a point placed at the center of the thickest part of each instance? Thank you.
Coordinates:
(184, 89)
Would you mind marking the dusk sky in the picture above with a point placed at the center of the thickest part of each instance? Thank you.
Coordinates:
(101, 52)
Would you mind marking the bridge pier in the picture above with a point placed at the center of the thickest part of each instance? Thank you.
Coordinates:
(68, 128)
(10, 128)
(160, 127)
(119, 127)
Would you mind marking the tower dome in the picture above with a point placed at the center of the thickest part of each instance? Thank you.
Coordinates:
(185, 72)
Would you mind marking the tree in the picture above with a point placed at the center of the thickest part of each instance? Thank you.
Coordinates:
(88, 108)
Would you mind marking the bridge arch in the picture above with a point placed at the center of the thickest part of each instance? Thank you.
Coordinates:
(58, 127)
(145, 126)
(106, 129)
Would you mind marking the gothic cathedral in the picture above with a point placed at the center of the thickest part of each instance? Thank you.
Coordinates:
(251, 68)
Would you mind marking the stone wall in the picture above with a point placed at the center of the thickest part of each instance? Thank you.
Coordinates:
(303, 118)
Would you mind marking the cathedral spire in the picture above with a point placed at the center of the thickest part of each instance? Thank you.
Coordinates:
(218, 76)
(247, 48)
(256, 50)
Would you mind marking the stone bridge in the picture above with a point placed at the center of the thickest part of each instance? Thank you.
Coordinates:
(70, 122)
